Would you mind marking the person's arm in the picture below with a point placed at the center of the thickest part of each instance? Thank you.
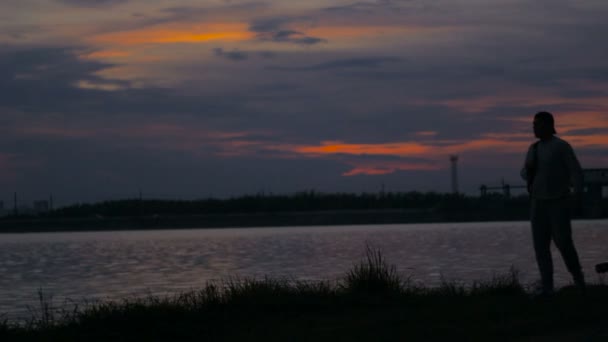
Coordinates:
(574, 170)
(528, 164)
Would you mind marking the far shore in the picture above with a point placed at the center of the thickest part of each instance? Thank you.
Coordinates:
(249, 220)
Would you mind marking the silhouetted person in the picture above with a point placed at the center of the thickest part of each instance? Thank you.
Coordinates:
(551, 167)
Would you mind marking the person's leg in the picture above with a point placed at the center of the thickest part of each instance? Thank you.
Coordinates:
(541, 237)
(562, 236)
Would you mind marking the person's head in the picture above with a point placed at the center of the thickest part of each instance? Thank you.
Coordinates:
(544, 125)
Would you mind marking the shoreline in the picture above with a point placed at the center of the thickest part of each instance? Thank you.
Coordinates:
(246, 220)
(252, 220)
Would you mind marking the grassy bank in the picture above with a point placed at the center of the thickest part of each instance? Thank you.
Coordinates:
(370, 303)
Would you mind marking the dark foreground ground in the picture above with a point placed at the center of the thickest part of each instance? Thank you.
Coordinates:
(371, 303)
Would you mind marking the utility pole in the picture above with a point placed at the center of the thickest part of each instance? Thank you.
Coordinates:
(16, 212)
(454, 160)
(141, 203)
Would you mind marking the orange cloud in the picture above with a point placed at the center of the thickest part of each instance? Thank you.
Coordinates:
(582, 141)
(388, 167)
(104, 86)
(101, 54)
(405, 149)
(570, 121)
(435, 151)
(329, 147)
(426, 134)
(370, 171)
(170, 34)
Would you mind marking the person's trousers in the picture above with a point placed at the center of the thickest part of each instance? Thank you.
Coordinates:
(551, 222)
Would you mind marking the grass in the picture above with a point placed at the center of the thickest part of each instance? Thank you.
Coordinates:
(370, 303)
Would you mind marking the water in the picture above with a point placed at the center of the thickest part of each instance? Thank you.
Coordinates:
(106, 265)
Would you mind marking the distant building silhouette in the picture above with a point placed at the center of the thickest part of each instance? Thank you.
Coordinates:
(595, 180)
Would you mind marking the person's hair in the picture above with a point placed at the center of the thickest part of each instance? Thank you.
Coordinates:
(546, 117)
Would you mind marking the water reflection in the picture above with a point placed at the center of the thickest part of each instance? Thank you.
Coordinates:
(119, 264)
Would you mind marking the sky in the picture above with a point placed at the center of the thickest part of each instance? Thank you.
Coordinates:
(102, 99)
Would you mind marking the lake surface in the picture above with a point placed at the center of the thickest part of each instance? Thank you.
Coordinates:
(106, 265)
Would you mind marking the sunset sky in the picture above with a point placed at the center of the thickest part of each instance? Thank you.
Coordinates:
(190, 99)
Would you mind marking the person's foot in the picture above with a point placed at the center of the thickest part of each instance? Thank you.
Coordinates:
(542, 292)
(579, 282)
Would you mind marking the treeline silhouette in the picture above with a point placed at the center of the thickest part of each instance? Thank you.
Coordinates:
(298, 202)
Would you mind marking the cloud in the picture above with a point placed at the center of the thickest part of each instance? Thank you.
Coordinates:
(270, 24)
(231, 55)
(52, 64)
(289, 36)
(49, 79)
(178, 33)
(448, 79)
(277, 29)
(366, 7)
(196, 14)
(92, 3)
(589, 131)
(351, 63)
(241, 55)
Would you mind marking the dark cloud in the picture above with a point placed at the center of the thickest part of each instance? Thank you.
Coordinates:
(269, 24)
(199, 13)
(59, 65)
(44, 78)
(589, 131)
(213, 10)
(276, 29)
(366, 7)
(267, 54)
(368, 62)
(231, 55)
(92, 3)
(289, 36)
(383, 158)
(240, 55)
(183, 14)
